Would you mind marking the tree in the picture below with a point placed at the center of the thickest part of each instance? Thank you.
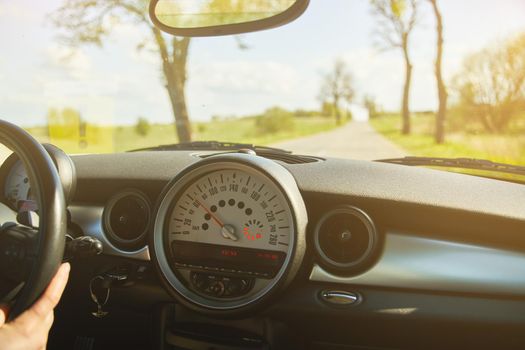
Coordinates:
(337, 86)
(439, 133)
(275, 119)
(142, 127)
(86, 22)
(397, 19)
(491, 84)
(371, 106)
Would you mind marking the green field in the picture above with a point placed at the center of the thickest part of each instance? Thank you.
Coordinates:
(505, 148)
(123, 138)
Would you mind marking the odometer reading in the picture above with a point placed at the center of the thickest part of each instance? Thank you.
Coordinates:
(233, 260)
(232, 208)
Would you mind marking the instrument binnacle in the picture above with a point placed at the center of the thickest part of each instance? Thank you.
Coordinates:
(228, 231)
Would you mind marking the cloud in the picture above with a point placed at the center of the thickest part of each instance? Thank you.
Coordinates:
(19, 11)
(74, 63)
(382, 74)
(246, 77)
(130, 36)
(239, 87)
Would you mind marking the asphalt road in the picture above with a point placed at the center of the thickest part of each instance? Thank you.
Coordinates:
(355, 140)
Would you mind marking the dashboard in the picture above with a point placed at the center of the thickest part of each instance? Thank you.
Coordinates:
(307, 241)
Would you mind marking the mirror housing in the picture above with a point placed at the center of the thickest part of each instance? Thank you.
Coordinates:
(221, 20)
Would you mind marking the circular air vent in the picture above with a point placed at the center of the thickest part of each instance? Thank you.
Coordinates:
(126, 219)
(345, 239)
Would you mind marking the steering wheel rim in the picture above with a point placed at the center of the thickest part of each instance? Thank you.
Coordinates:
(45, 183)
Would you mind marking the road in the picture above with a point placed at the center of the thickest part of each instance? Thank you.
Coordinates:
(356, 140)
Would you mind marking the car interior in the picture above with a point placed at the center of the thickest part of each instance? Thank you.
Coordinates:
(223, 246)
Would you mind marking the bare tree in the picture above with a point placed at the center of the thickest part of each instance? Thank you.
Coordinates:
(397, 19)
(337, 86)
(439, 133)
(88, 22)
(491, 84)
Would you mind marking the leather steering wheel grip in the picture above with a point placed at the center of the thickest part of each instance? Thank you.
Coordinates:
(45, 184)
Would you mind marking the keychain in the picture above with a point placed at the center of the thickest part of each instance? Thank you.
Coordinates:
(99, 313)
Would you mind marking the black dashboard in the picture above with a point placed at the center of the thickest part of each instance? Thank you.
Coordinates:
(394, 256)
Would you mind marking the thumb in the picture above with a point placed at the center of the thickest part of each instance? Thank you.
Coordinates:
(3, 314)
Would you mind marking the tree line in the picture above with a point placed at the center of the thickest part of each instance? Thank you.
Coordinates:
(489, 89)
(396, 21)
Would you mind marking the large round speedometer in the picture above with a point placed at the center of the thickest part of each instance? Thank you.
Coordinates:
(232, 207)
(229, 231)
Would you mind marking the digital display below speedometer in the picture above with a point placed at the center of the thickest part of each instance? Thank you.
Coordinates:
(238, 261)
(232, 208)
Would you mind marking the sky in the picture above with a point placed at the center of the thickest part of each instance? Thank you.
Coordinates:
(116, 83)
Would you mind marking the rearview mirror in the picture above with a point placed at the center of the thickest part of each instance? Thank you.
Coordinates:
(222, 17)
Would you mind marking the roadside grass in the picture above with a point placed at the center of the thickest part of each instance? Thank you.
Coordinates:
(105, 139)
(246, 130)
(505, 148)
(233, 130)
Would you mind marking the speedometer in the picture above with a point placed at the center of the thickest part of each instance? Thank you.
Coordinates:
(235, 208)
(229, 230)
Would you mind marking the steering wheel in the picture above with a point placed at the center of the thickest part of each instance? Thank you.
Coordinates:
(30, 257)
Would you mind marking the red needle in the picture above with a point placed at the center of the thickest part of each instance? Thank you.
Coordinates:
(219, 222)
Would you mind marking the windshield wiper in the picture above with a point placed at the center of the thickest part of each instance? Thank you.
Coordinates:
(211, 146)
(463, 163)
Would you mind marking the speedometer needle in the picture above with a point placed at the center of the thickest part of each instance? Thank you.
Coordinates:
(216, 219)
(227, 231)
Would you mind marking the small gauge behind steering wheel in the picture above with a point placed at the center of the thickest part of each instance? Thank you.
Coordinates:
(15, 185)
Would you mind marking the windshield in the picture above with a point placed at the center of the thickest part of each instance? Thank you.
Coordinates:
(353, 79)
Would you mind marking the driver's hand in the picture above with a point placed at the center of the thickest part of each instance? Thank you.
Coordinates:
(30, 330)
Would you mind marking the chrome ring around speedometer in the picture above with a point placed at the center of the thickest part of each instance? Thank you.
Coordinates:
(229, 232)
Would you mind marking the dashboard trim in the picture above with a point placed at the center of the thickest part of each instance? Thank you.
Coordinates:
(439, 265)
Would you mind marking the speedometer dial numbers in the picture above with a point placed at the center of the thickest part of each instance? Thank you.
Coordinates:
(234, 208)
(229, 232)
